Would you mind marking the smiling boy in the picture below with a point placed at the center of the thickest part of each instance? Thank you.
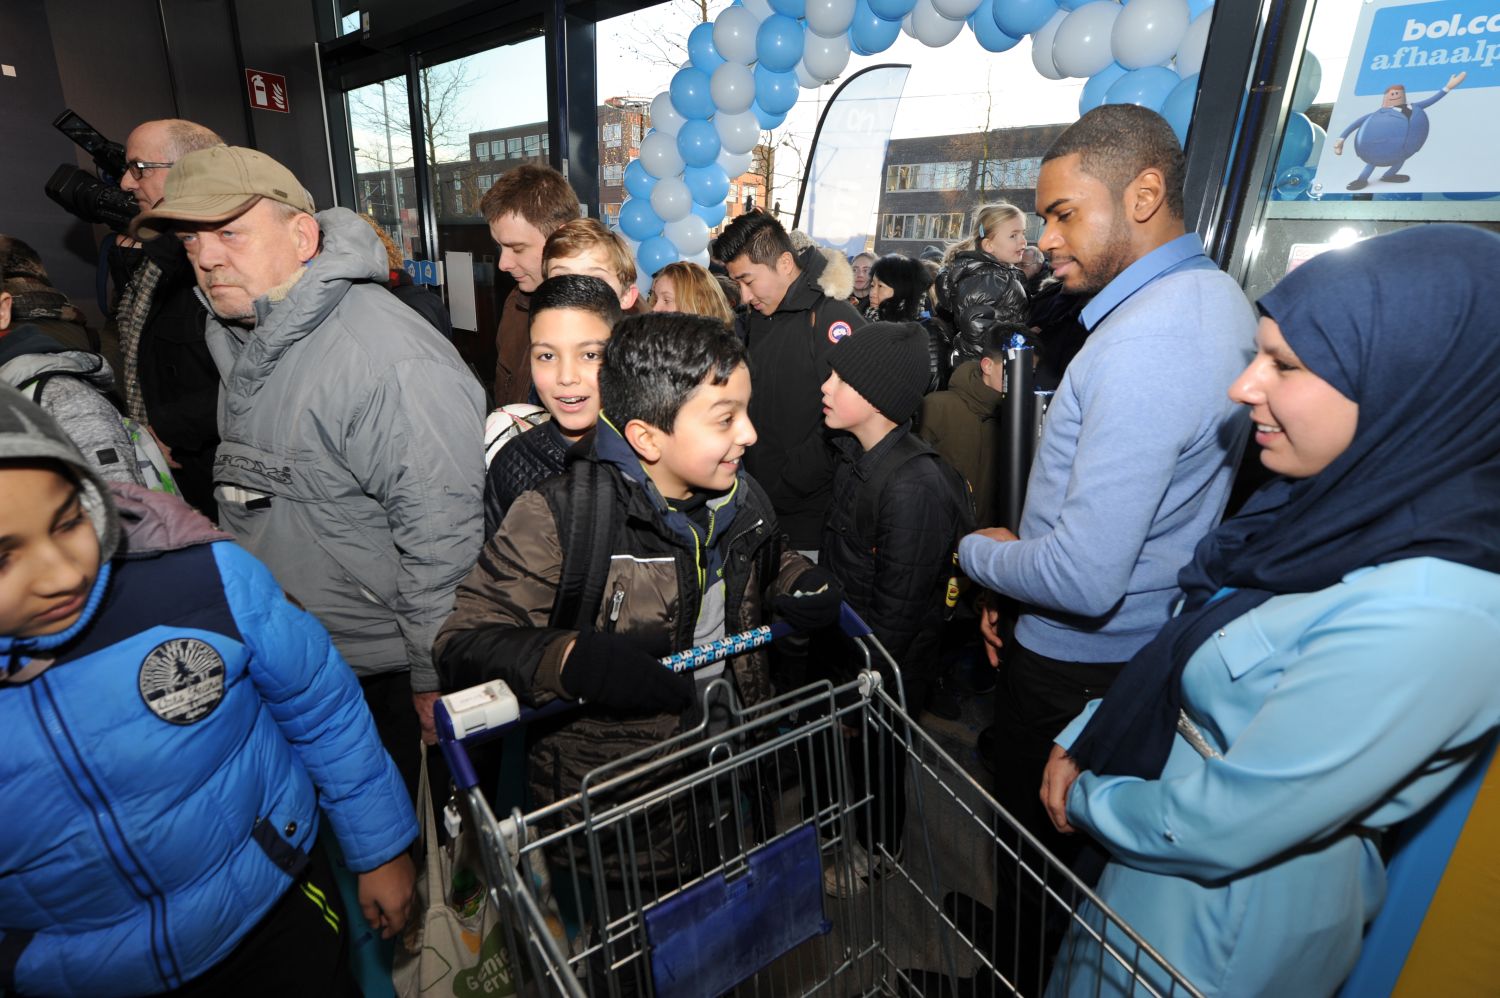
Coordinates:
(693, 554)
(571, 318)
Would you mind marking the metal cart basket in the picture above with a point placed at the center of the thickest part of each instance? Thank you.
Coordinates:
(820, 843)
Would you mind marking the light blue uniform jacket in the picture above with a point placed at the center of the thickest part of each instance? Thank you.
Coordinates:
(1329, 717)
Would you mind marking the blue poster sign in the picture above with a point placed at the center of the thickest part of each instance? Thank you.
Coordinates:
(1421, 86)
(423, 272)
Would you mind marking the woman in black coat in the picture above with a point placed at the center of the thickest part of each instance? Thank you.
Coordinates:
(897, 286)
(983, 283)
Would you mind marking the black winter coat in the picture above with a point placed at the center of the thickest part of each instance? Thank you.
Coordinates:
(522, 465)
(788, 365)
(179, 381)
(897, 578)
(974, 292)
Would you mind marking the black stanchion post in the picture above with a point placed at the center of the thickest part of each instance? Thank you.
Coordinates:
(1019, 420)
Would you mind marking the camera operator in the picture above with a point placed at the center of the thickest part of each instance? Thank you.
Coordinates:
(167, 376)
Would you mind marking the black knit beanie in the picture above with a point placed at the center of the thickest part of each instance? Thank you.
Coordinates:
(887, 363)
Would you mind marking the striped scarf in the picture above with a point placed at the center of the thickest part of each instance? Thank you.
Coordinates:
(130, 321)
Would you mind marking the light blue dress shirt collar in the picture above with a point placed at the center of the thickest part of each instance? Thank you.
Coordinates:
(1184, 252)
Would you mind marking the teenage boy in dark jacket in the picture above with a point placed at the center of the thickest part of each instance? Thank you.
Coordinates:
(695, 554)
(897, 513)
(794, 319)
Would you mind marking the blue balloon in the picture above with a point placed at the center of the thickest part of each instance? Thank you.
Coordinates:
(1196, 7)
(709, 185)
(1291, 185)
(791, 8)
(778, 43)
(1178, 107)
(987, 32)
(767, 119)
(701, 51)
(1147, 87)
(870, 33)
(1022, 17)
(638, 220)
(1469, 195)
(655, 253)
(698, 142)
(1097, 86)
(638, 182)
(1296, 142)
(775, 92)
(690, 93)
(891, 10)
(1070, 5)
(713, 214)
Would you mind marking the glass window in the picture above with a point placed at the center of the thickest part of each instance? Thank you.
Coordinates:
(1013, 174)
(482, 149)
(614, 174)
(610, 135)
(381, 136)
(1320, 194)
(513, 148)
(532, 146)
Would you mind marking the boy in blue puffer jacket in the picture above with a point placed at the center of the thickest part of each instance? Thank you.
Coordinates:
(170, 727)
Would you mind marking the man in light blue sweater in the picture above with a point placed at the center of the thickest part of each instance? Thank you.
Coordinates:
(1140, 444)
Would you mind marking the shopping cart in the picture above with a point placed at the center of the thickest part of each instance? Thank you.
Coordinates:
(820, 843)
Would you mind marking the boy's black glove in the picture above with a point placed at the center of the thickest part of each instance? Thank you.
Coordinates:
(611, 670)
(813, 603)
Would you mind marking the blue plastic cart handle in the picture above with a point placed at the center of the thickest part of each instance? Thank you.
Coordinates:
(735, 644)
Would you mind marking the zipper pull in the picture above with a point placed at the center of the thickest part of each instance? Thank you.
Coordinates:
(615, 602)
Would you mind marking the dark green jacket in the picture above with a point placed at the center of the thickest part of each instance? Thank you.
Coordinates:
(963, 425)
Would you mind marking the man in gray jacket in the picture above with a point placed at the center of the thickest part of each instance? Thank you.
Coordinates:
(351, 460)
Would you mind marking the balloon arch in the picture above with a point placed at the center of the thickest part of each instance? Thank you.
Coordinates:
(745, 69)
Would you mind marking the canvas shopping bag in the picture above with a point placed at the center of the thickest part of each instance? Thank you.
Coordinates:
(454, 946)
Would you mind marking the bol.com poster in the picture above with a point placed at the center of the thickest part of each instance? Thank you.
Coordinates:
(1417, 107)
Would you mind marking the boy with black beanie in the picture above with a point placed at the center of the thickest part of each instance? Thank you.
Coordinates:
(898, 511)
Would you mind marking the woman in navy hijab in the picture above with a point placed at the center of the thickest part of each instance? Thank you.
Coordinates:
(1334, 664)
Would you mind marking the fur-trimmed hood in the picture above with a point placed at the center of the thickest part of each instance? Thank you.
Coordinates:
(837, 279)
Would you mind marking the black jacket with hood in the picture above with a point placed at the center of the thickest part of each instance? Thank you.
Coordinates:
(976, 291)
(788, 365)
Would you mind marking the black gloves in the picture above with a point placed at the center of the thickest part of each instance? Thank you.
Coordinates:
(813, 603)
(612, 671)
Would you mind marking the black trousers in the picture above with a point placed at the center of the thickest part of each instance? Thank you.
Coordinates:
(1035, 698)
(300, 948)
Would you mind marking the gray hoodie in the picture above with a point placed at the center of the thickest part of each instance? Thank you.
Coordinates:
(352, 453)
(70, 386)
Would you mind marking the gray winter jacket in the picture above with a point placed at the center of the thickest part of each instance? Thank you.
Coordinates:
(351, 458)
(70, 385)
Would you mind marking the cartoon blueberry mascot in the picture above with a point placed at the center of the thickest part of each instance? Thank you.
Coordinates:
(1392, 134)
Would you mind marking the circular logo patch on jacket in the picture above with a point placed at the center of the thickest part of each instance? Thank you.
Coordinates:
(838, 331)
(182, 680)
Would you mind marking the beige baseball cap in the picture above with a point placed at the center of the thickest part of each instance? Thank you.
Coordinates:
(217, 184)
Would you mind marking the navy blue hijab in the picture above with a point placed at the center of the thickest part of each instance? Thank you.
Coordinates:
(1407, 325)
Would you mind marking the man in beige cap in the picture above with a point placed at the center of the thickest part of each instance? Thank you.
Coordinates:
(352, 458)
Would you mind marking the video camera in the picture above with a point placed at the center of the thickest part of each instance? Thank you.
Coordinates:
(94, 200)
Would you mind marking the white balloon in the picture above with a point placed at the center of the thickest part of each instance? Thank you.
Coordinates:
(931, 28)
(665, 117)
(829, 17)
(734, 163)
(1309, 80)
(805, 78)
(701, 259)
(659, 156)
(1147, 32)
(761, 9)
(1194, 41)
(733, 88)
(1081, 46)
(1319, 138)
(734, 34)
(737, 133)
(956, 10)
(671, 199)
(689, 234)
(906, 28)
(1041, 47)
(825, 58)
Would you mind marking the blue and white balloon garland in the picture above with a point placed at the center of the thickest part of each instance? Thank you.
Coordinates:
(745, 68)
